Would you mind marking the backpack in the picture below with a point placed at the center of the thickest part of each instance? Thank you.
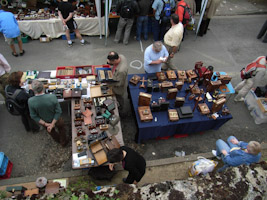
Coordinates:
(127, 10)
(187, 16)
(11, 104)
(247, 72)
(166, 10)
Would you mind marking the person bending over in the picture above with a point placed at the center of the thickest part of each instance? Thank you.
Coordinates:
(131, 161)
(235, 153)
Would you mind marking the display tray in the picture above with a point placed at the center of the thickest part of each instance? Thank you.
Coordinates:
(65, 72)
(83, 71)
(96, 67)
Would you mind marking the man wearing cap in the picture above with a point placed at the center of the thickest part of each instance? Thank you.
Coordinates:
(120, 72)
(154, 56)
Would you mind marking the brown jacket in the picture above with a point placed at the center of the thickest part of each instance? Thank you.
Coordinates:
(120, 75)
(212, 5)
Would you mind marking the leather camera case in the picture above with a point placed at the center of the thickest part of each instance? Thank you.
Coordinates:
(135, 79)
(161, 76)
(171, 75)
(144, 99)
(173, 115)
(172, 92)
(145, 113)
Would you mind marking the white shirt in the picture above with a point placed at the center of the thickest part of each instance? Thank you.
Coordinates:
(174, 35)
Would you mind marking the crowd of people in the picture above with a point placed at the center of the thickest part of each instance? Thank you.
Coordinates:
(43, 110)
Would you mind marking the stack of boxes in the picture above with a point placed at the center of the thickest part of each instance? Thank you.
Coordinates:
(5, 166)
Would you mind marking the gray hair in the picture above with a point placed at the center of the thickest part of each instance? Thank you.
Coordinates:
(37, 86)
(157, 46)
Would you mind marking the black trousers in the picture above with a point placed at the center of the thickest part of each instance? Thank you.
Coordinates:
(29, 123)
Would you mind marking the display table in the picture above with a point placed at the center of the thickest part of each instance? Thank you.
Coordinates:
(53, 28)
(162, 127)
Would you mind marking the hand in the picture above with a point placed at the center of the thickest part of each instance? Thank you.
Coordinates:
(49, 128)
(64, 22)
(111, 166)
(234, 141)
(224, 152)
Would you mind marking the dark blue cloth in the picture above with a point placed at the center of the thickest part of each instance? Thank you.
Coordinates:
(163, 127)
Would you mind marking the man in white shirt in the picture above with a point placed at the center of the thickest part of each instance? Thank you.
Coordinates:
(172, 40)
(4, 73)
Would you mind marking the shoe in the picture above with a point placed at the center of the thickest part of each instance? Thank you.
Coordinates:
(115, 41)
(70, 45)
(214, 152)
(21, 54)
(239, 100)
(85, 42)
(124, 180)
(125, 43)
(15, 54)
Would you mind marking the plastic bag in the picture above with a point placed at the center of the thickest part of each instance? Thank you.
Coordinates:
(202, 166)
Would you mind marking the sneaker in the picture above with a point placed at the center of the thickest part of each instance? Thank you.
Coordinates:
(85, 42)
(70, 45)
(116, 41)
(239, 100)
(124, 180)
(214, 152)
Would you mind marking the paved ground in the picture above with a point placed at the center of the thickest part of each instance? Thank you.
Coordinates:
(229, 45)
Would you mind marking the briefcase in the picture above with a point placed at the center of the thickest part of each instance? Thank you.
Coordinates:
(135, 79)
(173, 115)
(181, 75)
(225, 79)
(144, 99)
(217, 105)
(172, 92)
(161, 76)
(166, 85)
(171, 75)
(191, 74)
(76, 93)
(185, 112)
(179, 85)
(203, 108)
(145, 113)
(213, 85)
(67, 94)
(179, 101)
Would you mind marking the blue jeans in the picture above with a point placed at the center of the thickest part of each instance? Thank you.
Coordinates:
(141, 24)
(221, 145)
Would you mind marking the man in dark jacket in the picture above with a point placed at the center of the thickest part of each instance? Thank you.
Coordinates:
(131, 161)
(142, 19)
(127, 10)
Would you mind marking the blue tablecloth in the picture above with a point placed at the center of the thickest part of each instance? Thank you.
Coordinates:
(163, 127)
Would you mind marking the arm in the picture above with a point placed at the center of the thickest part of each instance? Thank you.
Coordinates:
(258, 79)
(61, 17)
(69, 17)
(121, 79)
(234, 158)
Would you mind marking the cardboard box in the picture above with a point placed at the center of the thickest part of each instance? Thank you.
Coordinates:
(45, 39)
(262, 102)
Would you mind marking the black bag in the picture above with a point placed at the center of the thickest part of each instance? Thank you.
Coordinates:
(261, 91)
(11, 104)
(101, 173)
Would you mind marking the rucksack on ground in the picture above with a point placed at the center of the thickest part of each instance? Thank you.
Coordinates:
(127, 10)
(11, 104)
(247, 72)
(187, 16)
(166, 10)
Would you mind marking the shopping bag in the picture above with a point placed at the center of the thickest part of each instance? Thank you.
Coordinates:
(201, 166)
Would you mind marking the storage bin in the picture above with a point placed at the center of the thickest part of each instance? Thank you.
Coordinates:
(72, 36)
(70, 74)
(8, 171)
(24, 39)
(3, 163)
(86, 71)
(251, 100)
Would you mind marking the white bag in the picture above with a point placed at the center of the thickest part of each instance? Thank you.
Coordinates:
(202, 166)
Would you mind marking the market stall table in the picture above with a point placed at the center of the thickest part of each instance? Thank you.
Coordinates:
(53, 27)
(161, 126)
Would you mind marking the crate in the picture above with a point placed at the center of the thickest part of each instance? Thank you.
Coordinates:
(8, 171)
(84, 67)
(72, 36)
(97, 67)
(66, 76)
(3, 163)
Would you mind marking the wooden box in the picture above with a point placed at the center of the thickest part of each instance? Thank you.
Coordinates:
(98, 152)
(171, 75)
(194, 89)
(173, 115)
(166, 85)
(213, 85)
(144, 99)
(225, 79)
(262, 102)
(135, 79)
(161, 76)
(179, 85)
(181, 75)
(172, 92)
(217, 105)
(203, 108)
(191, 74)
(179, 101)
(145, 113)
